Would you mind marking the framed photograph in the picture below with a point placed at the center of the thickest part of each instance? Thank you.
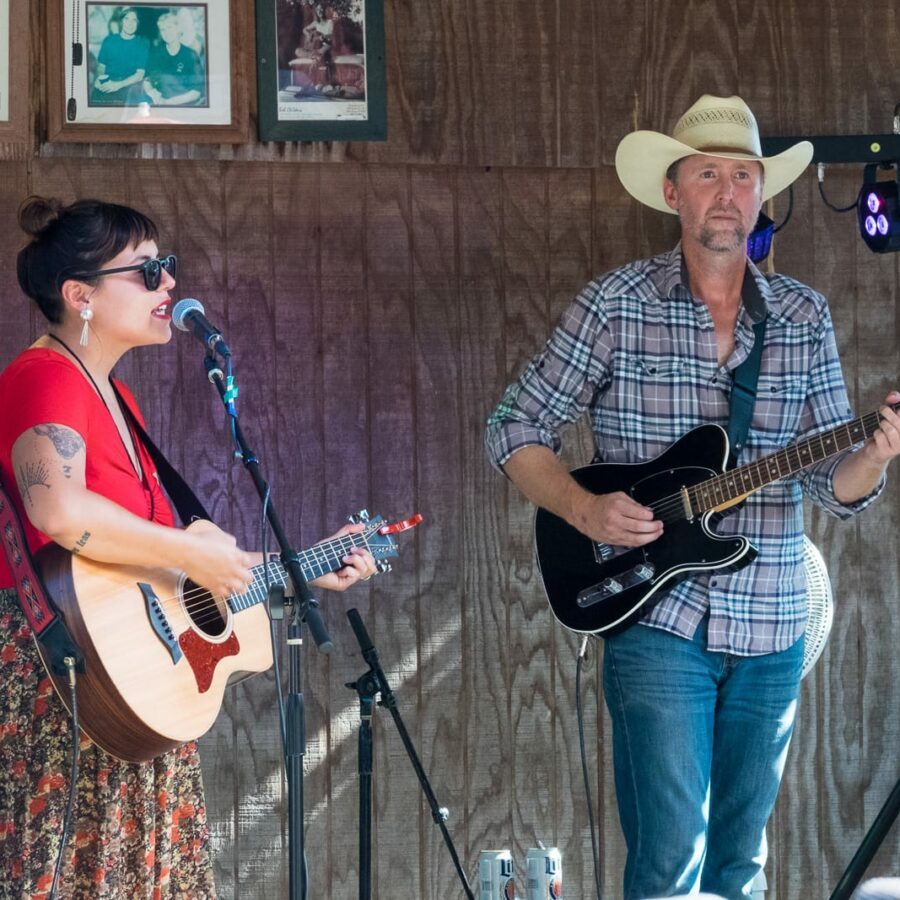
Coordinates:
(15, 76)
(147, 71)
(4, 60)
(320, 70)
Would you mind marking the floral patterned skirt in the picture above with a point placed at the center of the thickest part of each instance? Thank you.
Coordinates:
(139, 829)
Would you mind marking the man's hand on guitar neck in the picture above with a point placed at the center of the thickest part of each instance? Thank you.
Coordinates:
(884, 445)
(859, 473)
(613, 519)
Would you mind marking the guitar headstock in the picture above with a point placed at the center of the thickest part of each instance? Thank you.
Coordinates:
(378, 536)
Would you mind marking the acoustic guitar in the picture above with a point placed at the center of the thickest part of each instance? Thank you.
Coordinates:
(160, 650)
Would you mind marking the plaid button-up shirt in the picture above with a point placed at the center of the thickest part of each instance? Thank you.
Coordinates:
(638, 352)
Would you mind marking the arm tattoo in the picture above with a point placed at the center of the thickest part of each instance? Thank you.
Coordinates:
(79, 544)
(67, 471)
(66, 441)
(32, 474)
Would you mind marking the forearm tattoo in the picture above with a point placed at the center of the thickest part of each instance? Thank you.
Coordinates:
(79, 544)
(66, 441)
(32, 474)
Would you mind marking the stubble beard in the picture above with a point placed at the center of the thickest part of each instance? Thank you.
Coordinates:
(723, 242)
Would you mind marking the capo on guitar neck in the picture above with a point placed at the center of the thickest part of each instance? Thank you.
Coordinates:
(403, 525)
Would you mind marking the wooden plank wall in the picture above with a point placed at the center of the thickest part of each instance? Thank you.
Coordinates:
(378, 298)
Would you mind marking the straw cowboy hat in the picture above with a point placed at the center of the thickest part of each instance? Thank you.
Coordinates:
(713, 126)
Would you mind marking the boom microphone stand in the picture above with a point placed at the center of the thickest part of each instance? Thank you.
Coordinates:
(304, 608)
(367, 686)
(869, 846)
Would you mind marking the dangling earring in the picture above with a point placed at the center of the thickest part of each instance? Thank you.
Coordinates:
(86, 314)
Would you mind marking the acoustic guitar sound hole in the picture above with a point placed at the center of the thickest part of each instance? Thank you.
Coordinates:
(207, 614)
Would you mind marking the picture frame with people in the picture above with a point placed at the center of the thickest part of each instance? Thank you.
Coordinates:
(15, 80)
(148, 71)
(321, 70)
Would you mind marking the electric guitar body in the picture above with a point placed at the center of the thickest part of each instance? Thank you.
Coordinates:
(593, 587)
(601, 589)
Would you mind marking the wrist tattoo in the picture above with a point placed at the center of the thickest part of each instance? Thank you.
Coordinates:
(66, 441)
(32, 474)
(79, 544)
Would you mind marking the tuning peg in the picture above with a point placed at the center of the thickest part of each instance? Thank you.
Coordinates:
(361, 516)
(383, 567)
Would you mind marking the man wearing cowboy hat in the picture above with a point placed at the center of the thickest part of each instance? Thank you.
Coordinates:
(702, 692)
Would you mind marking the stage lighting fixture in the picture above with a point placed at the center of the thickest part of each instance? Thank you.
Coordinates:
(878, 210)
(759, 243)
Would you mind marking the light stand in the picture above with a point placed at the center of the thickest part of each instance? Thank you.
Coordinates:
(303, 608)
(869, 846)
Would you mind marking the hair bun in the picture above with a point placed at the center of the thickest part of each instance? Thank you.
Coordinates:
(36, 214)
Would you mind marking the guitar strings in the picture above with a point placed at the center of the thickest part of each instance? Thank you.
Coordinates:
(199, 599)
(723, 483)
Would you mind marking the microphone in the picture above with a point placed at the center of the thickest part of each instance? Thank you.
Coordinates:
(188, 315)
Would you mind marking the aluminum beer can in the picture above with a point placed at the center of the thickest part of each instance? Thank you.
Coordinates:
(543, 868)
(495, 875)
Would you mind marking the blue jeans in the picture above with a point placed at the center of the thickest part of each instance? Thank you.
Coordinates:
(699, 744)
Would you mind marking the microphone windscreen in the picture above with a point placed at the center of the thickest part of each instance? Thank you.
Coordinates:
(181, 309)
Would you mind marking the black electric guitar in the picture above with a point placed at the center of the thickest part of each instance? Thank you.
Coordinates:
(598, 588)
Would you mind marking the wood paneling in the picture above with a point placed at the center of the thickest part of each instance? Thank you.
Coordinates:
(375, 314)
(377, 308)
(517, 83)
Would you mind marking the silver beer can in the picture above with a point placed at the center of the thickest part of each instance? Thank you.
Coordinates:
(496, 875)
(543, 868)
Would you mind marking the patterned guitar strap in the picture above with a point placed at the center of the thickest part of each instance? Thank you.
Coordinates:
(46, 624)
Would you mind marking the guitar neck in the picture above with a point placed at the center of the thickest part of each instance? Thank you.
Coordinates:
(316, 561)
(734, 484)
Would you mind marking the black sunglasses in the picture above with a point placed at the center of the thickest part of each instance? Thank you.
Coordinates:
(152, 271)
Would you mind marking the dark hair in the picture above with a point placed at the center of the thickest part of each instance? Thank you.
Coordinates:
(672, 171)
(67, 240)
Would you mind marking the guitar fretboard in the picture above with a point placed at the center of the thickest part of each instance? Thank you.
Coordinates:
(314, 562)
(729, 486)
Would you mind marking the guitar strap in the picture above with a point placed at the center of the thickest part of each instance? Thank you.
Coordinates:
(45, 623)
(184, 499)
(743, 393)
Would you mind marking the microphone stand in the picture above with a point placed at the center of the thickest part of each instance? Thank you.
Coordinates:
(869, 846)
(367, 686)
(304, 608)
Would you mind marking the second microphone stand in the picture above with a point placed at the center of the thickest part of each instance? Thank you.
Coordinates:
(369, 685)
(304, 608)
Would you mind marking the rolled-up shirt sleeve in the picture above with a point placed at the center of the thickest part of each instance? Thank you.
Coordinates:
(827, 408)
(557, 385)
